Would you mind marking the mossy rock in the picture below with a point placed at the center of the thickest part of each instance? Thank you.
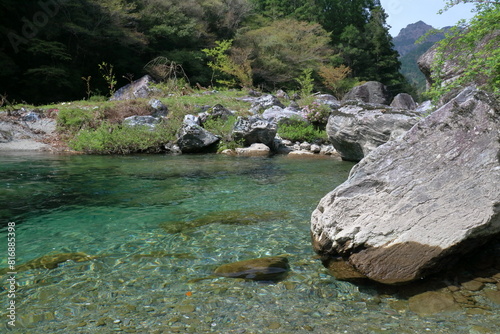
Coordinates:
(50, 261)
(234, 217)
(262, 269)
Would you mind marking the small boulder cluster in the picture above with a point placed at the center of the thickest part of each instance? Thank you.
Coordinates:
(365, 118)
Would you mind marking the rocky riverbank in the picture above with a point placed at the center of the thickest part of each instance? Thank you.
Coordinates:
(25, 130)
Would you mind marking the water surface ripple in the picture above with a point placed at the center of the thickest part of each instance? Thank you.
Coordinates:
(159, 225)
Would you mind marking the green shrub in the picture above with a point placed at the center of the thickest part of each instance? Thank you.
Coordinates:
(223, 129)
(72, 120)
(97, 98)
(299, 130)
(118, 139)
(317, 112)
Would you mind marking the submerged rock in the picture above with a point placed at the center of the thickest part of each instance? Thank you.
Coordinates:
(416, 204)
(433, 302)
(235, 217)
(51, 261)
(262, 269)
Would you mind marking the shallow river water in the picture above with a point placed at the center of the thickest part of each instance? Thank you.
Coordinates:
(156, 227)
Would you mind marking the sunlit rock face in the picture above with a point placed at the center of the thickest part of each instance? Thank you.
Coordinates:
(416, 203)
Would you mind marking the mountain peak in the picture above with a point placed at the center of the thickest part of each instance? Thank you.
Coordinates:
(404, 42)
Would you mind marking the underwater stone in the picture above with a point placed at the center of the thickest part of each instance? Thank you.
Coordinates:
(52, 261)
(233, 217)
(494, 296)
(432, 302)
(262, 269)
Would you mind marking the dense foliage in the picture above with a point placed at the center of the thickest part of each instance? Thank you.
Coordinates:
(473, 48)
(51, 49)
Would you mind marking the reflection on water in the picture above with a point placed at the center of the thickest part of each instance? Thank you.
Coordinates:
(156, 227)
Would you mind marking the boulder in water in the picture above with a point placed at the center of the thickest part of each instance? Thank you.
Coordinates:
(416, 204)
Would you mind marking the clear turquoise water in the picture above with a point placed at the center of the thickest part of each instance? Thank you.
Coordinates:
(145, 280)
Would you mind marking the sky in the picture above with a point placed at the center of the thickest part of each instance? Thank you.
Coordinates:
(404, 12)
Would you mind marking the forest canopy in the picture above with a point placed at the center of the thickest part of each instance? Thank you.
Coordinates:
(57, 50)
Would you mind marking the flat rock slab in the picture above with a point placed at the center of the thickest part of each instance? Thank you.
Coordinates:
(417, 203)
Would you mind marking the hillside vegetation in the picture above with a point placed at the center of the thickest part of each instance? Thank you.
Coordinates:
(54, 50)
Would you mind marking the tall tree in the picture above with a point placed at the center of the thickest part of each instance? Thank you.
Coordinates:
(280, 54)
(383, 57)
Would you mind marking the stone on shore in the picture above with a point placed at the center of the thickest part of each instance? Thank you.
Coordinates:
(193, 138)
(356, 130)
(255, 150)
(141, 88)
(253, 130)
(416, 204)
(370, 92)
(404, 101)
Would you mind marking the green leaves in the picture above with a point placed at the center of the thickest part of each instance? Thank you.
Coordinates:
(300, 130)
(279, 54)
(472, 50)
(234, 67)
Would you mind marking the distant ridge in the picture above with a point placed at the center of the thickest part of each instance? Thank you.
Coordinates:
(404, 42)
(409, 52)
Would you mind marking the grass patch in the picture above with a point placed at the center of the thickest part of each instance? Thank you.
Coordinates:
(223, 129)
(300, 130)
(110, 138)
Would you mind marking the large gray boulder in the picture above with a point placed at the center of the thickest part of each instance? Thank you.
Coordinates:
(265, 102)
(254, 130)
(370, 92)
(276, 114)
(355, 131)
(141, 88)
(404, 101)
(416, 204)
(192, 138)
